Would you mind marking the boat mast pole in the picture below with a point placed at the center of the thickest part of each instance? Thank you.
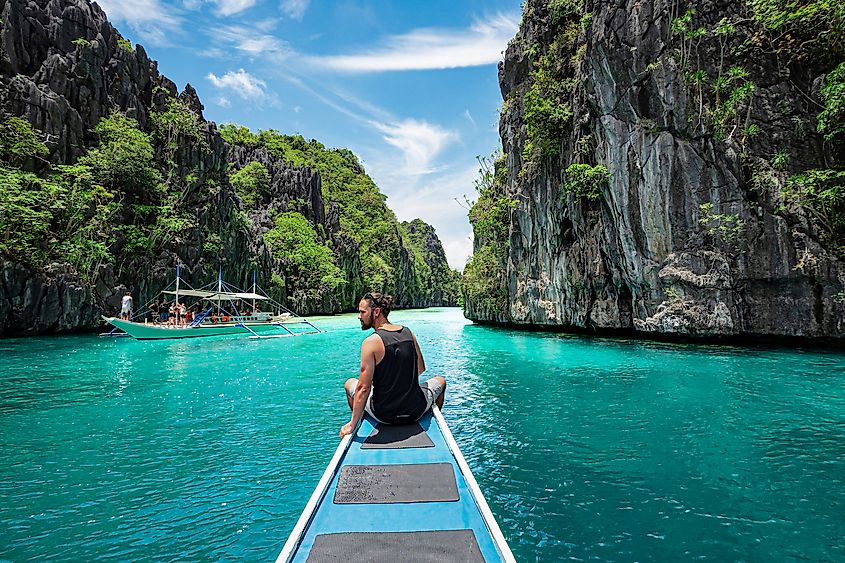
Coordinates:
(253, 291)
(178, 270)
(219, 288)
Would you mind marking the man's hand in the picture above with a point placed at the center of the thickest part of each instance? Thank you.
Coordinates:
(347, 428)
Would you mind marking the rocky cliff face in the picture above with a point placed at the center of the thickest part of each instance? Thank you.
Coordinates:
(690, 232)
(424, 238)
(63, 67)
(298, 189)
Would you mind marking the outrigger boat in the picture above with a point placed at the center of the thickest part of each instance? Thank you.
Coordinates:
(397, 493)
(221, 316)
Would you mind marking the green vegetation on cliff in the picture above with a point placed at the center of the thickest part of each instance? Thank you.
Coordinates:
(251, 183)
(364, 215)
(311, 263)
(547, 101)
(113, 199)
(831, 121)
(125, 198)
(583, 180)
(803, 30)
(431, 268)
(484, 282)
(64, 214)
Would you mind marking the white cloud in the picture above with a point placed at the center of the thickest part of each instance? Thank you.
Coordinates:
(251, 43)
(458, 251)
(423, 49)
(419, 141)
(231, 7)
(148, 18)
(224, 7)
(210, 53)
(267, 24)
(438, 201)
(418, 188)
(241, 83)
(295, 9)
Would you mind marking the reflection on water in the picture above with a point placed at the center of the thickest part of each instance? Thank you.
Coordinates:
(586, 448)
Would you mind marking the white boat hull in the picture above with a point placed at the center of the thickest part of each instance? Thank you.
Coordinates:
(144, 331)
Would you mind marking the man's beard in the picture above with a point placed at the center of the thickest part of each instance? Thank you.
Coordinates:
(367, 324)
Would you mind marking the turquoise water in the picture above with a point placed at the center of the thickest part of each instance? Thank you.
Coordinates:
(585, 448)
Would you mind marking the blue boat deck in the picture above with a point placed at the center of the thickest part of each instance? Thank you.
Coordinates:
(324, 515)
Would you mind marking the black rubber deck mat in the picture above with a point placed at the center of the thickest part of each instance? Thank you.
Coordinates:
(453, 546)
(383, 484)
(386, 436)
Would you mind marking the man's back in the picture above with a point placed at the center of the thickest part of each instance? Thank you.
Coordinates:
(397, 396)
(388, 387)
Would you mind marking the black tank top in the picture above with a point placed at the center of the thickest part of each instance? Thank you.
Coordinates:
(397, 397)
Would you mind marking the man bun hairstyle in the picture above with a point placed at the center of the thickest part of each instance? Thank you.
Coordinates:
(383, 302)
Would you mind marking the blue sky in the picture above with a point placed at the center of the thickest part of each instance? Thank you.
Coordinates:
(410, 87)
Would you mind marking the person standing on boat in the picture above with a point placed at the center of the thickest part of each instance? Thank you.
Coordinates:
(388, 387)
(163, 311)
(126, 307)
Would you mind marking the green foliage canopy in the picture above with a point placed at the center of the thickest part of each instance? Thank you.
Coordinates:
(66, 216)
(251, 183)
(19, 143)
(583, 180)
(124, 160)
(803, 28)
(364, 215)
(483, 282)
(294, 240)
(831, 121)
(822, 192)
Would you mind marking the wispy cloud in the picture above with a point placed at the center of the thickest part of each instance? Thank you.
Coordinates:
(231, 7)
(248, 42)
(224, 7)
(148, 18)
(295, 9)
(408, 169)
(266, 25)
(437, 201)
(240, 83)
(419, 141)
(425, 49)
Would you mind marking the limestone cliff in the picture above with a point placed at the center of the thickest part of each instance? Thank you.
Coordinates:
(423, 239)
(64, 68)
(689, 125)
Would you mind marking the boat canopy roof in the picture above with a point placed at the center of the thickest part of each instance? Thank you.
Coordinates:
(192, 293)
(218, 295)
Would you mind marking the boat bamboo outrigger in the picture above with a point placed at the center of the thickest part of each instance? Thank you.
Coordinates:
(397, 493)
(222, 312)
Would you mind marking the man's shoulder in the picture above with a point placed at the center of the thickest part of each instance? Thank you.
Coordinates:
(371, 340)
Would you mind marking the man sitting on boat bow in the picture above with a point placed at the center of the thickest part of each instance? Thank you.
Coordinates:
(388, 387)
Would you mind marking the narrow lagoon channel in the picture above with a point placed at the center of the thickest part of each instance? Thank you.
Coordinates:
(585, 448)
